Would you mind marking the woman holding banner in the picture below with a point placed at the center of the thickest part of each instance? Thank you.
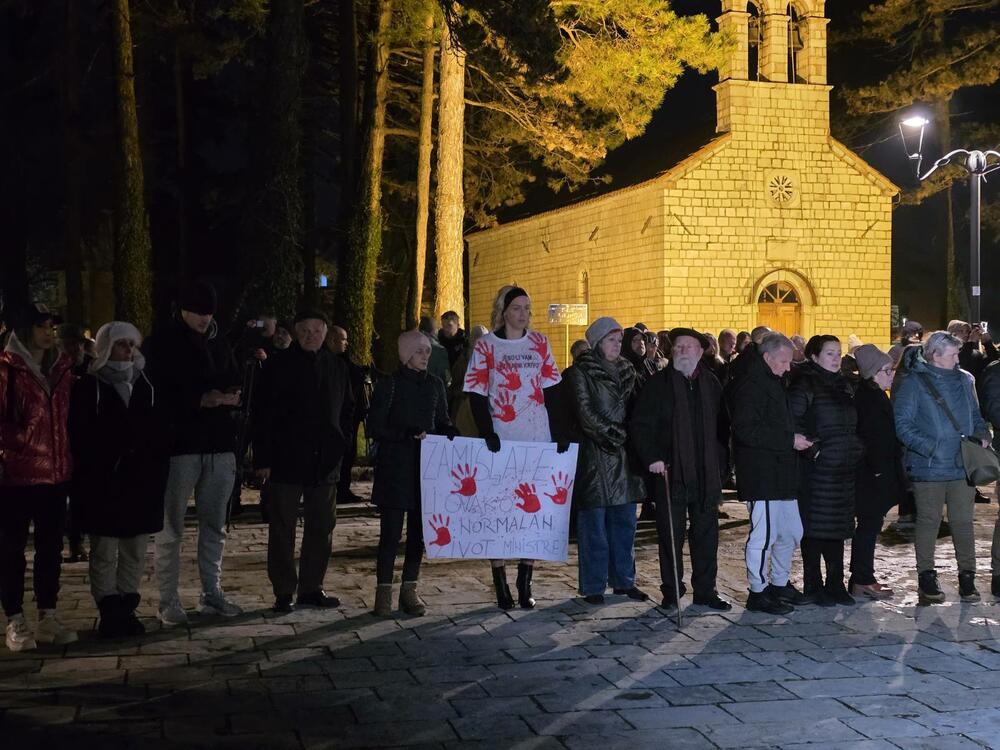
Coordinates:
(508, 372)
(602, 383)
(405, 408)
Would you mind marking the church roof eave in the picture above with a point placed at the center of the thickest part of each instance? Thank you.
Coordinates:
(866, 170)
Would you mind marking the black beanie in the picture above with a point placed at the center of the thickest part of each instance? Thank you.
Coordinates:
(198, 297)
(512, 295)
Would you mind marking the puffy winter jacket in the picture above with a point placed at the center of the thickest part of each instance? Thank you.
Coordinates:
(34, 410)
(822, 404)
(603, 474)
(880, 478)
(933, 445)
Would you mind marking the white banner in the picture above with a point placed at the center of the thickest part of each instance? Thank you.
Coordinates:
(505, 505)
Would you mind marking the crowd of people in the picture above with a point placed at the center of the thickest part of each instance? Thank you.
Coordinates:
(129, 430)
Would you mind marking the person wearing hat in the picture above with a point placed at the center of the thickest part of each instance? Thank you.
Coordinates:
(880, 478)
(406, 407)
(302, 415)
(677, 432)
(601, 386)
(35, 468)
(910, 333)
(509, 371)
(822, 403)
(196, 377)
(120, 438)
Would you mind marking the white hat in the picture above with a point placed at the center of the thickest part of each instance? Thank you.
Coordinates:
(106, 337)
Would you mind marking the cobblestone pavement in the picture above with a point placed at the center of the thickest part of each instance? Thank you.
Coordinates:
(566, 675)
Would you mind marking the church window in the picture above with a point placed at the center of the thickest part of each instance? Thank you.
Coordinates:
(780, 293)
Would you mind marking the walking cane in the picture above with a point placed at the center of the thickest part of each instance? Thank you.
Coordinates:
(673, 548)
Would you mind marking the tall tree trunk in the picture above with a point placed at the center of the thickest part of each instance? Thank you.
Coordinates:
(425, 146)
(355, 303)
(133, 251)
(273, 222)
(180, 114)
(73, 234)
(348, 51)
(449, 200)
(956, 302)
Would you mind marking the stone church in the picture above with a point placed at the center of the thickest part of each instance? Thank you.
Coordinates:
(773, 222)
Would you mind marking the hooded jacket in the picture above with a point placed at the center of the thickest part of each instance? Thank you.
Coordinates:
(34, 409)
(601, 393)
(185, 365)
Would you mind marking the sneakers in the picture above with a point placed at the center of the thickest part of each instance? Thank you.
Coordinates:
(50, 630)
(762, 601)
(19, 637)
(967, 586)
(928, 591)
(787, 594)
(215, 603)
(172, 613)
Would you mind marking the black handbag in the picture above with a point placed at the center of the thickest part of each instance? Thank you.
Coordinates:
(982, 465)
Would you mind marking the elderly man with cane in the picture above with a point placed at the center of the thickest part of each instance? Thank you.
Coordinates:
(678, 432)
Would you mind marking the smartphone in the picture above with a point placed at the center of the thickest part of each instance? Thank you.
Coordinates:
(984, 326)
(258, 324)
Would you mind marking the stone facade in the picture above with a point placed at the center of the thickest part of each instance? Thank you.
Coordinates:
(773, 199)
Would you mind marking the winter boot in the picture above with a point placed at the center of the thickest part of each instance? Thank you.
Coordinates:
(762, 601)
(524, 597)
(504, 599)
(383, 600)
(130, 623)
(995, 585)
(409, 602)
(967, 586)
(112, 621)
(928, 591)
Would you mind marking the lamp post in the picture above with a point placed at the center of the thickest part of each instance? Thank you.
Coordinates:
(978, 164)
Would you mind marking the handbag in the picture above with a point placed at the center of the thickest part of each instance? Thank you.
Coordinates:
(982, 465)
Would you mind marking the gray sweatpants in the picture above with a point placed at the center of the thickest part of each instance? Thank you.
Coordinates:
(210, 477)
(116, 564)
(931, 499)
(775, 530)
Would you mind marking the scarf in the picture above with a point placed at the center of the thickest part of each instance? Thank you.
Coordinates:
(701, 470)
(120, 375)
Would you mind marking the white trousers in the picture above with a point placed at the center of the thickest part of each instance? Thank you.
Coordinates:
(775, 530)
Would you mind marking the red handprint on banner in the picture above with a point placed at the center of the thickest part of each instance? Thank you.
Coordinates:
(503, 407)
(511, 377)
(536, 391)
(466, 478)
(440, 527)
(529, 498)
(561, 486)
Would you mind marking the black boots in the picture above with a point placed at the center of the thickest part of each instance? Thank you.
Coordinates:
(118, 616)
(504, 599)
(967, 586)
(928, 590)
(762, 601)
(524, 597)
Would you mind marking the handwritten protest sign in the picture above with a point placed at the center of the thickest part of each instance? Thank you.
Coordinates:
(510, 504)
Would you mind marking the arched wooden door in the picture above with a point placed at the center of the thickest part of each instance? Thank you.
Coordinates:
(779, 308)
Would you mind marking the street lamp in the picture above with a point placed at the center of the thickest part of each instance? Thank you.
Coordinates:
(978, 164)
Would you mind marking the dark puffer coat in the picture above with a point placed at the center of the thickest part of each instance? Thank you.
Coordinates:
(601, 393)
(122, 456)
(881, 481)
(822, 404)
(403, 405)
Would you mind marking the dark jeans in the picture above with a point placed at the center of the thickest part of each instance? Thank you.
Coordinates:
(605, 540)
(45, 505)
(347, 463)
(73, 533)
(700, 522)
(390, 532)
(863, 549)
(831, 551)
(318, 521)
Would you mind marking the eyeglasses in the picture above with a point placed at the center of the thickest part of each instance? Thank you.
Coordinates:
(887, 370)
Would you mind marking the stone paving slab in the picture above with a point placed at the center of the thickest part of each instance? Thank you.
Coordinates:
(875, 676)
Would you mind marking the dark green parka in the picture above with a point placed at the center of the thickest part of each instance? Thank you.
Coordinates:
(601, 392)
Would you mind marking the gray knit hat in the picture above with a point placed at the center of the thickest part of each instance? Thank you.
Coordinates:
(601, 328)
(870, 360)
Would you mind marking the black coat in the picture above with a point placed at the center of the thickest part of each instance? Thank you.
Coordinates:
(122, 458)
(989, 399)
(604, 474)
(763, 432)
(185, 365)
(303, 410)
(822, 404)
(881, 480)
(404, 404)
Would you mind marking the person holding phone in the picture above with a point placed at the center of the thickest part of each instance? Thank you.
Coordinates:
(822, 403)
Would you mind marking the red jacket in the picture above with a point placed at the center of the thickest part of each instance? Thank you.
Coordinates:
(34, 412)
